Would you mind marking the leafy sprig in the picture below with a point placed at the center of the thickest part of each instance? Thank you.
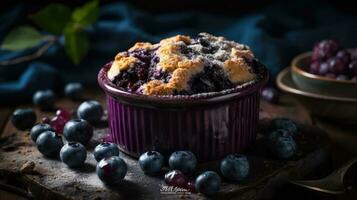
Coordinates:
(57, 20)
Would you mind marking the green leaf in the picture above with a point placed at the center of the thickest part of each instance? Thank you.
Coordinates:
(76, 44)
(87, 14)
(53, 18)
(22, 37)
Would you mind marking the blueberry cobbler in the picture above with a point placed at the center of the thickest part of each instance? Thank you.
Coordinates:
(182, 65)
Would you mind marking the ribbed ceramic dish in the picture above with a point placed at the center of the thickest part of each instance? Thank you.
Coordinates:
(319, 84)
(211, 125)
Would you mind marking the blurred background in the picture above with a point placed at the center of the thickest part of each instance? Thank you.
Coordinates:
(275, 30)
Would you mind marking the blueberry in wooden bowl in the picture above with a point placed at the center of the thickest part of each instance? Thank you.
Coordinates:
(184, 93)
(327, 70)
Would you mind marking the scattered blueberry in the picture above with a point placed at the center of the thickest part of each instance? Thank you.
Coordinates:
(184, 161)
(270, 94)
(23, 119)
(235, 167)
(45, 99)
(151, 162)
(49, 143)
(176, 178)
(78, 130)
(91, 111)
(73, 90)
(38, 129)
(282, 144)
(284, 123)
(111, 170)
(208, 183)
(73, 154)
(104, 150)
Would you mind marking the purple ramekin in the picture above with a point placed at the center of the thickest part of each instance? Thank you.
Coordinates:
(211, 125)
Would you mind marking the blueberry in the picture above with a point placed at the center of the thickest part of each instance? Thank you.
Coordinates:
(49, 143)
(91, 111)
(282, 144)
(336, 65)
(204, 42)
(105, 149)
(315, 67)
(176, 178)
(45, 99)
(73, 154)
(78, 130)
(57, 122)
(344, 55)
(284, 123)
(208, 183)
(324, 69)
(38, 129)
(235, 167)
(324, 50)
(63, 113)
(151, 162)
(270, 94)
(23, 119)
(111, 170)
(184, 161)
(352, 67)
(73, 90)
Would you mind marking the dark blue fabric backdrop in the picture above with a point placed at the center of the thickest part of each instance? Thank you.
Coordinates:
(275, 34)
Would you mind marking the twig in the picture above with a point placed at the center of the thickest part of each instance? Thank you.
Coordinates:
(33, 56)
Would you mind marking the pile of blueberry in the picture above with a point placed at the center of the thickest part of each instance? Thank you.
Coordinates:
(330, 60)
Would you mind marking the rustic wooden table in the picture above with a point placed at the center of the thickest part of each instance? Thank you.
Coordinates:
(51, 179)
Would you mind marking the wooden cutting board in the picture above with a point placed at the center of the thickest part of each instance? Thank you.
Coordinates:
(22, 166)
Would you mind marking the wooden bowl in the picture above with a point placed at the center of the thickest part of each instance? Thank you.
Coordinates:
(342, 109)
(319, 84)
